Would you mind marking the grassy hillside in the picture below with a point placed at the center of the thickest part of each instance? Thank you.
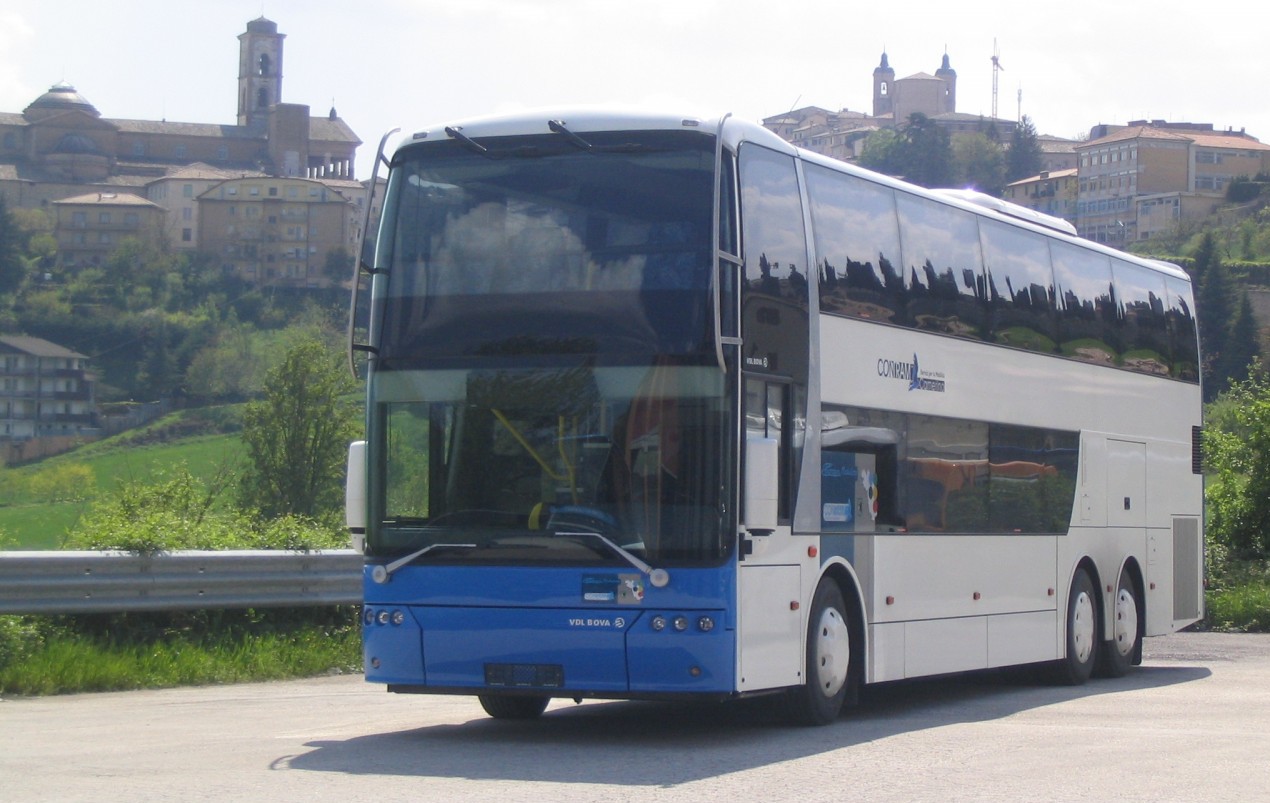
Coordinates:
(39, 503)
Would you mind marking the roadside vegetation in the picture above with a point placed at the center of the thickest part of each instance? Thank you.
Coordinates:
(219, 506)
(1237, 459)
(63, 654)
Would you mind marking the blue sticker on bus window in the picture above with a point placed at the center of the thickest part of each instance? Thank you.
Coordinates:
(599, 588)
(838, 475)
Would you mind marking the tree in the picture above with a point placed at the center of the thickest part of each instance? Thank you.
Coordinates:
(927, 152)
(978, 163)
(920, 152)
(881, 152)
(1215, 308)
(1024, 157)
(1241, 345)
(12, 266)
(157, 374)
(1237, 455)
(338, 266)
(297, 436)
(1204, 256)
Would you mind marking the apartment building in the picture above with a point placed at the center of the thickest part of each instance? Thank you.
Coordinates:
(276, 231)
(1138, 181)
(177, 194)
(88, 228)
(1054, 193)
(45, 390)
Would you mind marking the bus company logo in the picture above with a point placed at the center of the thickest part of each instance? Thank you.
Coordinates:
(912, 373)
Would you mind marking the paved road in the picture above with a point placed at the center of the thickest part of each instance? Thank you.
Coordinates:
(1192, 724)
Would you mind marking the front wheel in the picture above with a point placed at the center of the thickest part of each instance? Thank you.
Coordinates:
(819, 700)
(1082, 633)
(1116, 657)
(503, 706)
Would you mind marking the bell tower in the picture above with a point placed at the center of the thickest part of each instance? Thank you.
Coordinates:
(259, 71)
(945, 73)
(883, 88)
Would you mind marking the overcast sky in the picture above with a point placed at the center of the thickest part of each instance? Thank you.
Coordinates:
(407, 63)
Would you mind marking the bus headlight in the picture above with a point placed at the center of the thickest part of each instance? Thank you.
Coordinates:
(705, 624)
(659, 623)
(680, 623)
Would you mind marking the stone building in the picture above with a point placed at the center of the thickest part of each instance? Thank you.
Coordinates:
(841, 134)
(61, 145)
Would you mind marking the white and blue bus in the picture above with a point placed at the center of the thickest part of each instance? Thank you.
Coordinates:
(664, 407)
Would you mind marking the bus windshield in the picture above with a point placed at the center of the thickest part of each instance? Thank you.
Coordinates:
(545, 366)
(526, 466)
(537, 246)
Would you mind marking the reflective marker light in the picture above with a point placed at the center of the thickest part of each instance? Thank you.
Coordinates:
(659, 623)
(705, 624)
(681, 623)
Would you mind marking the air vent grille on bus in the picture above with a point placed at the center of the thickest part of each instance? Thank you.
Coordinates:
(1197, 450)
(1186, 568)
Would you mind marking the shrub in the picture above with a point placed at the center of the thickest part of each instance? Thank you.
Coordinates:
(179, 512)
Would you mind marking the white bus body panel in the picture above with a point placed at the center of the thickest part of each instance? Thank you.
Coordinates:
(1134, 445)
(773, 603)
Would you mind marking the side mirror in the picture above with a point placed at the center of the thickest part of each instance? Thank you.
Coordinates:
(762, 484)
(355, 495)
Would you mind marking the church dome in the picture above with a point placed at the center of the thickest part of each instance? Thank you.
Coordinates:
(60, 98)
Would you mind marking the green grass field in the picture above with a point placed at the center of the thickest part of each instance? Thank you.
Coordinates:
(30, 520)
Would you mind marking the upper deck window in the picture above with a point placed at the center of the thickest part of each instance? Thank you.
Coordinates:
(540, 247)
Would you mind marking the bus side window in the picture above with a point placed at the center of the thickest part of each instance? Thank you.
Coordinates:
(766, 405)
(859, 476)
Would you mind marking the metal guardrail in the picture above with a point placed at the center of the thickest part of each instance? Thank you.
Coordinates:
(109, 582)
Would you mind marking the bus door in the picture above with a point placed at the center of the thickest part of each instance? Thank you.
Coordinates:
(775, 334)
(769, 577)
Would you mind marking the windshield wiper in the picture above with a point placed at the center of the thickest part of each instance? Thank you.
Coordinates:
(558, 127)
(384, 572)
(658, 577)
(468, 142)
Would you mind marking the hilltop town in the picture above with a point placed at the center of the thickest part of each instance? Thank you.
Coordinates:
(148, 246)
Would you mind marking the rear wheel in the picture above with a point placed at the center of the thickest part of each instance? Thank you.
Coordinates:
(1082, 632)
(1115, 658)
(502, 706)
(819, 700)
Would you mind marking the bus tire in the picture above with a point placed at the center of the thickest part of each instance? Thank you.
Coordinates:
(1116, 657)
(504, 706)
(1082, 633)
(819, 700)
